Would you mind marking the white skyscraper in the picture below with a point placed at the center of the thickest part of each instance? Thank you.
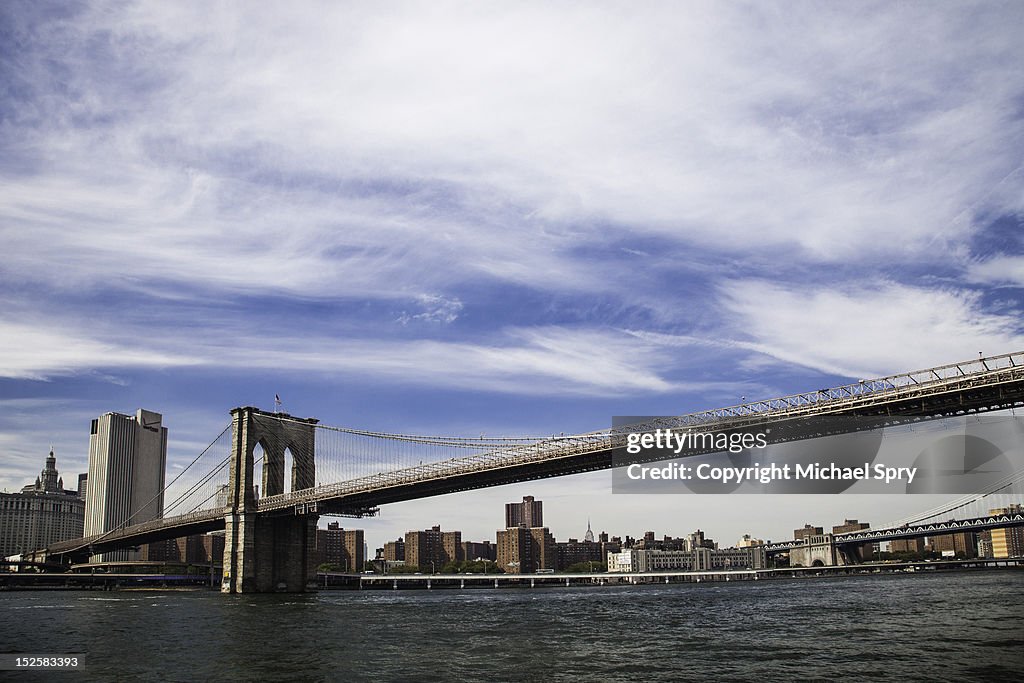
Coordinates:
(127, 459)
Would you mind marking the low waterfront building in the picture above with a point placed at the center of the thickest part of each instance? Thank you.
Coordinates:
(625, 561)
(689, 542)
(751, 557)
(696, 560)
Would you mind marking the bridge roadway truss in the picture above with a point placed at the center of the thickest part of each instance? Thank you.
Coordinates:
(985, 384)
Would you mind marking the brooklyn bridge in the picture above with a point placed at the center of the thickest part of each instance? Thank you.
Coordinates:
(267, 477)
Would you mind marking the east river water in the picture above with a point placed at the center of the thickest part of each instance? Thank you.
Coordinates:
(949, 626)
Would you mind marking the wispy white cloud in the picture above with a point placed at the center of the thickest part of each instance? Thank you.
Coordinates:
(999, 271)
(366, 153)
(436, 309)
(549, 361)
(38, 352)
(867, 330)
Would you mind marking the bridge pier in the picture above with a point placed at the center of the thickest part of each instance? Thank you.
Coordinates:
(269, 554)
(266, 553)
(819, 551)
(849, 554)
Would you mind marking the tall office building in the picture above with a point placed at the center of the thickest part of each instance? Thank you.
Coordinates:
(42, 514)
(1007, 541)
(529, 513)
(127, 459)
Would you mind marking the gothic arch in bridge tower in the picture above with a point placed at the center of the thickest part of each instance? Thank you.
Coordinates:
(257, 470)
(290, 470)
(269, 551)
(280, 436)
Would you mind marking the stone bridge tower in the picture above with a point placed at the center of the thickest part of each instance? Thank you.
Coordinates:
(270, 551)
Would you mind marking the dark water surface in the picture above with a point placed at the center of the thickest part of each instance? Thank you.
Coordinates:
(923, 627)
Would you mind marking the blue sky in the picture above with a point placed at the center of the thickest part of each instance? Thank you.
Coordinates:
(525, 218)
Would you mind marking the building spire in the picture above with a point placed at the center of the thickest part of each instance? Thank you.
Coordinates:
(48, 477)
